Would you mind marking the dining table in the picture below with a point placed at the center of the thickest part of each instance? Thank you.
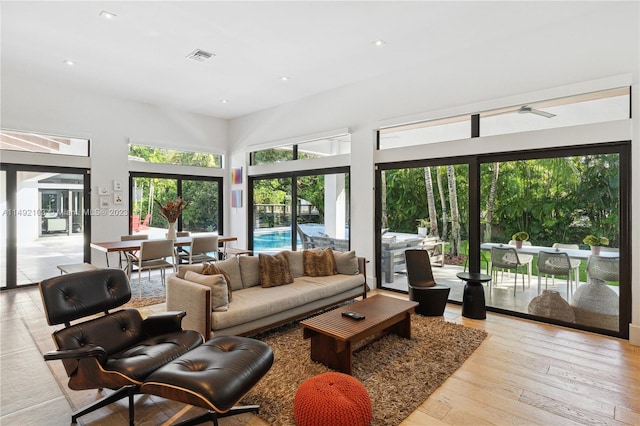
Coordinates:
(134, 245)
(572, 253)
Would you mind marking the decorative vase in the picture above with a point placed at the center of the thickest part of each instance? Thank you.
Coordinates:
(595, 250)
(518, 244)
(171, 232)
(422, 231)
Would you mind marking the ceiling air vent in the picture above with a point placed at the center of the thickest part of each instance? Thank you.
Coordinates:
(200, 55)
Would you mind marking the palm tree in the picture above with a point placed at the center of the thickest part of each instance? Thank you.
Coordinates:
(383, 195)
(491, 201)
(455, 218)
(431, 202)
(443, 203)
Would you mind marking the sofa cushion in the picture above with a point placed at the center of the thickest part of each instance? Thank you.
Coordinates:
(346, 262)
(319, 262)
(250, 271)
(218, 286)
(296, 263)
(274, 270)
(256, 302)
(231, 267)
(212, 269)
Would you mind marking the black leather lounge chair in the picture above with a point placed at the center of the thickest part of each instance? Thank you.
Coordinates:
(121, 351)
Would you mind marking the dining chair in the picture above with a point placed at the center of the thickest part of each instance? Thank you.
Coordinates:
(153, 254)
(507, 258)
(123, 256)
(554, 263)
(575, 263)
(525, 259)
(202, 249)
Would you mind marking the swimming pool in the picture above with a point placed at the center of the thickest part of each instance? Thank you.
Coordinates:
(273, 238)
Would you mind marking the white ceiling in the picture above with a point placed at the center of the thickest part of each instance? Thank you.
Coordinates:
(140, 54)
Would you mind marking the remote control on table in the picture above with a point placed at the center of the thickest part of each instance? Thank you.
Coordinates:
(353, 315)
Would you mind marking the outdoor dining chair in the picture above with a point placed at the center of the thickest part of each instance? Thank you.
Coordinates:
(553, 263)
(575, 263)
(603, 268)
(506, 258)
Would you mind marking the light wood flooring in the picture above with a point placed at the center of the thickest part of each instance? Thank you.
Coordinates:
(525, 373)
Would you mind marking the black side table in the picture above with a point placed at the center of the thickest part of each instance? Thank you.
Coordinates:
(473, 305)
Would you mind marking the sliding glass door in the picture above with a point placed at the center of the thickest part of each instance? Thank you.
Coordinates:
(44, 222)
(551, 199)
(300, 211)
(553, 204)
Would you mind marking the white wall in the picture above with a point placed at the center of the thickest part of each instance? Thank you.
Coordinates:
(109, 124)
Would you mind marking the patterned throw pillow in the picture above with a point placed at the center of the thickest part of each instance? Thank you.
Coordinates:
(319, 262)
(274, 270)
(219, 295)
(212, 269)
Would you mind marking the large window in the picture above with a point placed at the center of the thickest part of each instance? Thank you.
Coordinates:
(555, 199)
(300, 211)
(172, 156)
(303, 150)
(49, 144)
(203, 194)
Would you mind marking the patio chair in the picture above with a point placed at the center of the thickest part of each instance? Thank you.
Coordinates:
(484, 257)
(603, 268)
(575, 263)
(306, 239)
(422, 286)
(507, 258)
(553, 263)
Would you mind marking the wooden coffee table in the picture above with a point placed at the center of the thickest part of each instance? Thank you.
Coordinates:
(333, 336)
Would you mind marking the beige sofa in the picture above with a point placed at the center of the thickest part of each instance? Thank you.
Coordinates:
(254, 308)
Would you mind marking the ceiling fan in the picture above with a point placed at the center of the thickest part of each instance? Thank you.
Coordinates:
(526, 109)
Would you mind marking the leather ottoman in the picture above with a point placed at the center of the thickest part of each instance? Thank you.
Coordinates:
(215, 376)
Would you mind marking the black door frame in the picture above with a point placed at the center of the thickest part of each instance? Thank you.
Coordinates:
(11, 238)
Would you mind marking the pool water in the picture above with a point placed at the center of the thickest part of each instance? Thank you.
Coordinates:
(270, 239)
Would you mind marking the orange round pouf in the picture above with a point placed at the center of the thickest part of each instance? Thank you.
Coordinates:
(334, 399)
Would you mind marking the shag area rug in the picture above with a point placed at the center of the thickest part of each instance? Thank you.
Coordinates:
(399, 374)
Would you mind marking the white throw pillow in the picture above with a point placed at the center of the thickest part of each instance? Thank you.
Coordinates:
(218, 286)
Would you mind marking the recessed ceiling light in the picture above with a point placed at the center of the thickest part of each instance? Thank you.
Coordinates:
(284, 78)
(379, 43)
(224, 101)
(107, 15)
(69, 62)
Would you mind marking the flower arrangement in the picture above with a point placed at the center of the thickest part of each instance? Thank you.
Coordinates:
(520, 236)
(592, 240)
(172, 209)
